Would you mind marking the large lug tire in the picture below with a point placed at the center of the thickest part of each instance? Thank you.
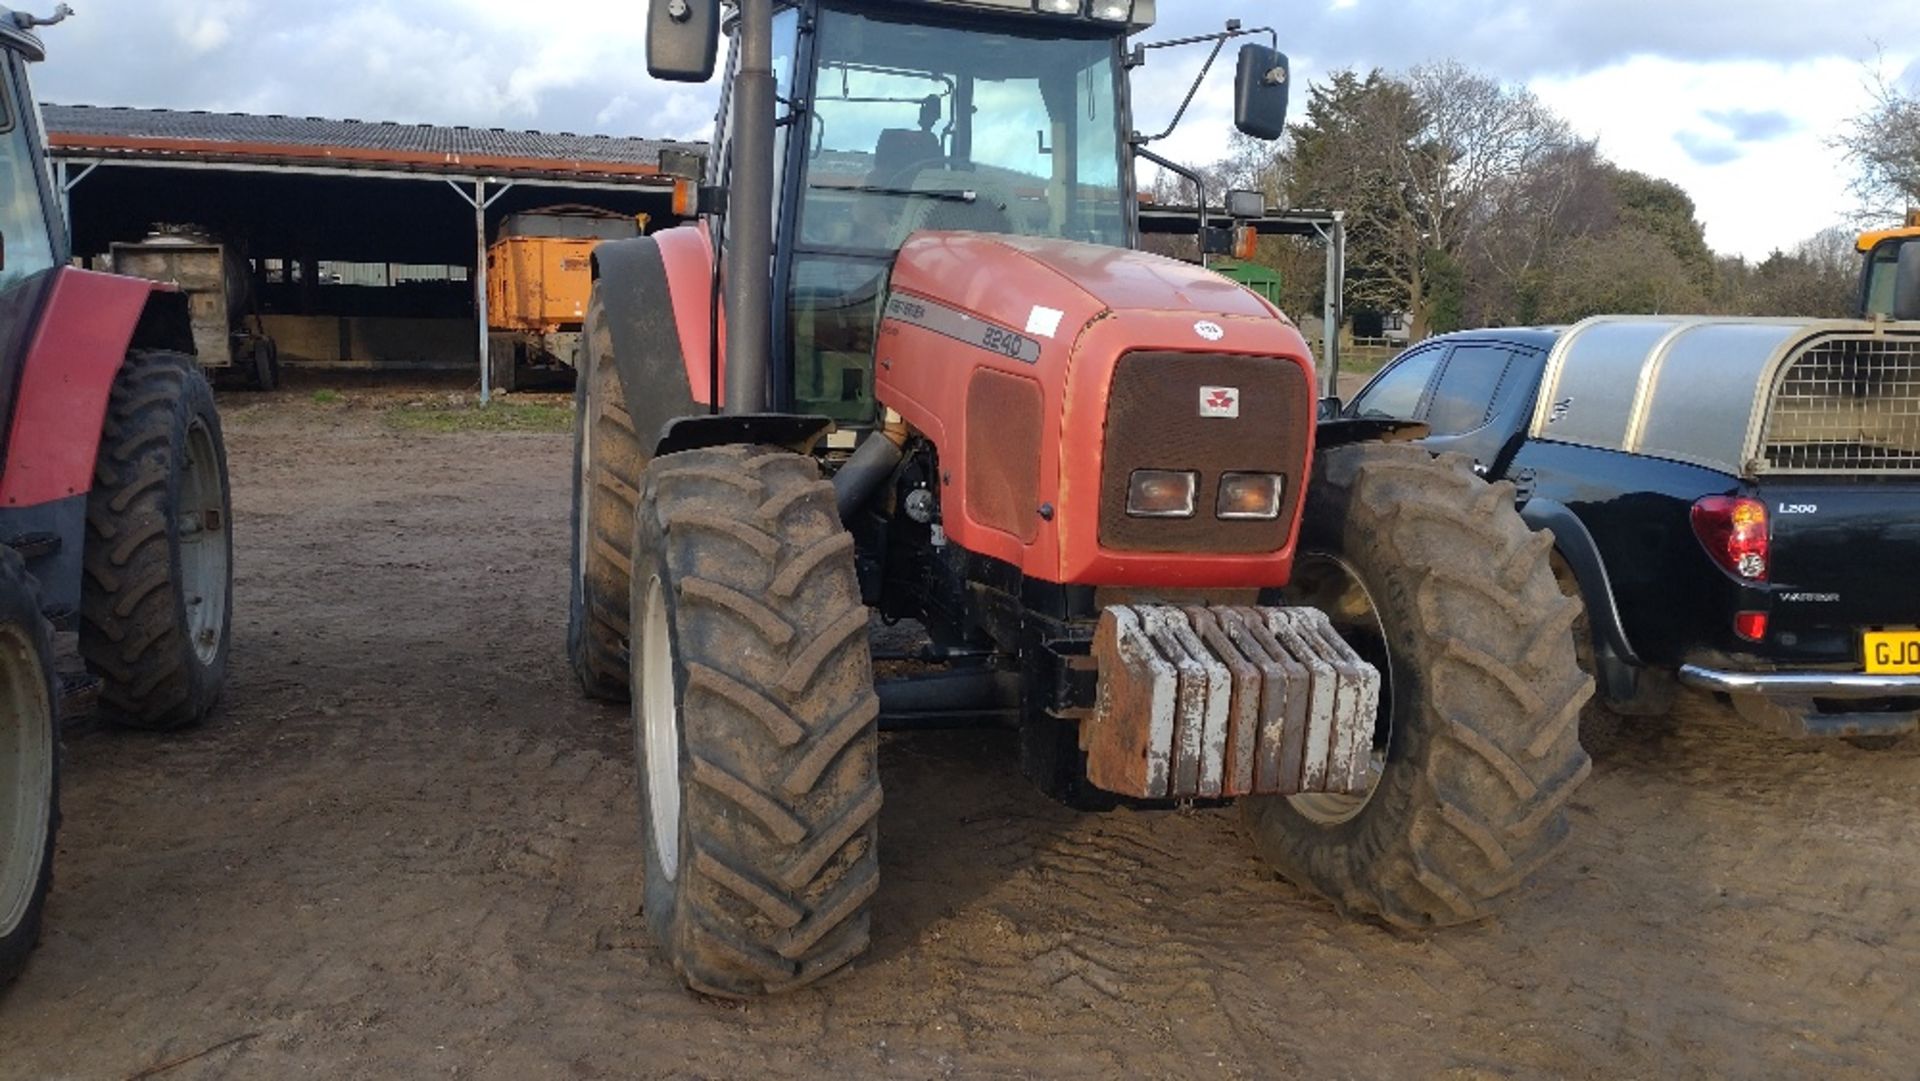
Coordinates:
(755, 721)
(1431, 574)
(157, 599)
(607, 463)
(29, 765)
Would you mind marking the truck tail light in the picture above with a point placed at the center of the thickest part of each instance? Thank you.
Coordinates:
(1734, 532)
(1750, 625)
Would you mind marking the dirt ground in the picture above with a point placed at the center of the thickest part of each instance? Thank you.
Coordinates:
(405, 847)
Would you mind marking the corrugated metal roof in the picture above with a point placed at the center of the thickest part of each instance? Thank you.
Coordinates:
(79, 127)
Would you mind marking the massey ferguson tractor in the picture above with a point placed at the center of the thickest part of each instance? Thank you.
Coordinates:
(115, 559)
(909, 363)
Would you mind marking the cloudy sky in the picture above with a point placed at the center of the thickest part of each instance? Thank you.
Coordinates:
(1734, 100)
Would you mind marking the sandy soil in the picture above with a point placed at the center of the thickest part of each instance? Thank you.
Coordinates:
(405, 847)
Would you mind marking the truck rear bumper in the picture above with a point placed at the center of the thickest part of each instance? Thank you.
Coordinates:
(1817, 703)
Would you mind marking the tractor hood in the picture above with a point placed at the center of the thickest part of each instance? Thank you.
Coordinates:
(1069, 275)
(1045, 372)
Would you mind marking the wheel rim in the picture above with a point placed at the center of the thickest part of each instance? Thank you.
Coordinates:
(26, 772)
(1332, 585)
(204, 547)
(660, 729)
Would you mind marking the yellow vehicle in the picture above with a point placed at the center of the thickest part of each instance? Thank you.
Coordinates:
(1880, 265)
(539, 274)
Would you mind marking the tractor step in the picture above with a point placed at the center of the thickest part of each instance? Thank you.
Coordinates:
(35, 545)
(64, 617)
(1200, 703)
(79, 693)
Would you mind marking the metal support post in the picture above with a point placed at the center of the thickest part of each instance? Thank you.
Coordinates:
(1335, 311)
(66, 183)
(480, 201)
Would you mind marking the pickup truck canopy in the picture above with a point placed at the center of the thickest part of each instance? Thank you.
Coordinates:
(1739, 395)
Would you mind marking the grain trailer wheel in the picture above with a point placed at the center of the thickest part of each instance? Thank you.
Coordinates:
(1434, 578)
(755, 721)
(157, 599)
(607, 462)
(29, 766)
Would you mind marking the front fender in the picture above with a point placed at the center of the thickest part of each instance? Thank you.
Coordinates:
(86, 327)
(655, 300)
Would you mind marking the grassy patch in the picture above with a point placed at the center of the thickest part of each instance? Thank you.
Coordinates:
(326, 397)
(469, 416)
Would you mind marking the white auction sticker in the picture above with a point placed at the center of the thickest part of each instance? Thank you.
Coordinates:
(1045, 321)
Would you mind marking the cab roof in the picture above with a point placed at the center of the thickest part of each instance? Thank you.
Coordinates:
(19, 39)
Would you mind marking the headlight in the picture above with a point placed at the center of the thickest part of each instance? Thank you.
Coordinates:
(1117, 11)
(1250, 496)
(1161, 493)
(1058, 7)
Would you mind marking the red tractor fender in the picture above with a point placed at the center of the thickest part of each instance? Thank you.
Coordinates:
(89, 323)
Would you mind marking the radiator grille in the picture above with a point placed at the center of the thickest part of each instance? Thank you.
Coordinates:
(1847, 405)
(1154, 422)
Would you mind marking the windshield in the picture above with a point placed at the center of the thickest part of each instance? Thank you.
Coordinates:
(1882, 266)
(929, 127)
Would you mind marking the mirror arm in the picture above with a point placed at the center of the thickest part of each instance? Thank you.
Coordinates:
(1199, 184)
(1219, 40)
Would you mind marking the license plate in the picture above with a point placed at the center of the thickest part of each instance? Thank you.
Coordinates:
(1895, 653)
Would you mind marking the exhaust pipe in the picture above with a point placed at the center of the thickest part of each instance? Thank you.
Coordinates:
(749, 254)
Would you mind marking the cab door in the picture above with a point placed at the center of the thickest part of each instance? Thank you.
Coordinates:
(32, 241)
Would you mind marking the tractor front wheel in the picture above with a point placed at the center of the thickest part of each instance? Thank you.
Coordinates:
(755, 721)
(157, 600)
(1431, 575)
(29, 767)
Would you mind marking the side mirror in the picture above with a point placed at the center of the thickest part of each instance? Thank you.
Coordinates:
(1331, 408)
(1260, 93)
(683, 39)
(1906, 283)
(1246, 205)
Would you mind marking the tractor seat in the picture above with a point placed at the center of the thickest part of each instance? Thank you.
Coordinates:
(902, 152)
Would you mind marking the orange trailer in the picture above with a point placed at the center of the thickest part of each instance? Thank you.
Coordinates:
(539, 275)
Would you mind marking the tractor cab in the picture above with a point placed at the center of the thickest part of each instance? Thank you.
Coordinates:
(1883, 253)
(32, 239)
(893, 118)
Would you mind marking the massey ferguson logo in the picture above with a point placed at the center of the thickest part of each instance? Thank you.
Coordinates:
(1220, 402)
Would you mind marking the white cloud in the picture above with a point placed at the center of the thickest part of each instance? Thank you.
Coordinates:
(1667, 118)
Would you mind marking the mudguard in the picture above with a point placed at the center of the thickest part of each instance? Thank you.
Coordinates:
(657, 344)
(1614, 658)
(88, 324)
(656, 296)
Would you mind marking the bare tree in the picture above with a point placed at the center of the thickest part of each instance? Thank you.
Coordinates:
(1882, 144)
(1420, 164)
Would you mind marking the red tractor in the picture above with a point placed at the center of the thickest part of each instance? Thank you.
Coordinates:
(115, 558)
(910, 363)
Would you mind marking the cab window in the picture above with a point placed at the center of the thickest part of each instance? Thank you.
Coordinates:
(26, 238)
(1397, 393)
(1464, 396)
(1882, 268)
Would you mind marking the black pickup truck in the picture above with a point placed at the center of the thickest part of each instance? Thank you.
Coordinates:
(1737, 501)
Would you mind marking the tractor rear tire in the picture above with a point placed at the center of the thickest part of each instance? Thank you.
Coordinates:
(607, 463)
(755, 722)
(156, 606)
(29, 765)
(1479, 745)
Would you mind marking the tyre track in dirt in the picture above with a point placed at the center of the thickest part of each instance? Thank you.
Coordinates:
(405, 845)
